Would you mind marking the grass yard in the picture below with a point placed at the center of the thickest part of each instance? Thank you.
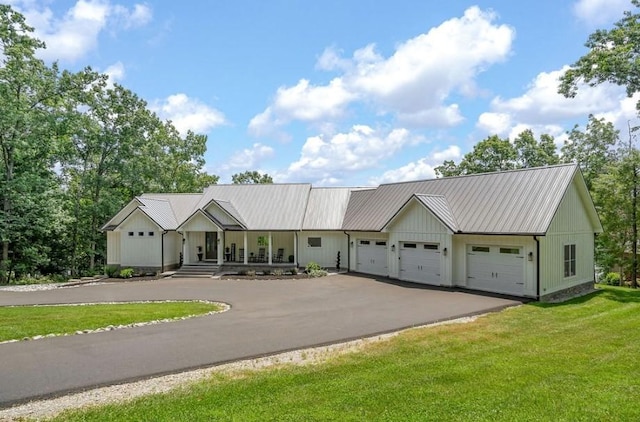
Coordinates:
(18, 322)
(577, 361)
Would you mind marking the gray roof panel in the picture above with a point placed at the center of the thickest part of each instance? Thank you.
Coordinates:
(512, 202)
(326, 208)
(159, 211)
(439, 206)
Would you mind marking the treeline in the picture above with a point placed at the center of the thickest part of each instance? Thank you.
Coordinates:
(74, 149)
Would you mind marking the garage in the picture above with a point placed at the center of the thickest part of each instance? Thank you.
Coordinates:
(420, 262)
(498, 269)
(372, 257)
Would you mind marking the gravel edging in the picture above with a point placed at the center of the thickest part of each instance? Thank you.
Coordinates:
(44, 409)
(224, 307)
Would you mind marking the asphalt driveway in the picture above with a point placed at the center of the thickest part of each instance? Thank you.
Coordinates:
(266, 317)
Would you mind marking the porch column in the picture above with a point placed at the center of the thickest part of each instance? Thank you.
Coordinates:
(270, 250)
(295, 249)
(220, 245)
(246, 251)
(185, 249)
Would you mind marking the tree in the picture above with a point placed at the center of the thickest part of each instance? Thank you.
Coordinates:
(614, 56)
(591, 149)
(251, 177)
(532, 153)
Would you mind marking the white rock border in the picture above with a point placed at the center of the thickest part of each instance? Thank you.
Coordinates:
(224, 307)
(123, 393)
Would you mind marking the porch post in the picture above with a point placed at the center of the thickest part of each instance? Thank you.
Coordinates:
(270, 250)
(295, 249)
(185, 257)
(219, 240)
(246, 251)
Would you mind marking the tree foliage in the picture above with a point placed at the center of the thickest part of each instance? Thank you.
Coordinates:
(251, 177)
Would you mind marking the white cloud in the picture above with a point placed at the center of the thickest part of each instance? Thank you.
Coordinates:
(327, 161)
(188, 113)
(115, 72)
(543, 110)
(424, 168)
(73, 35)
(414, 83)
(600, 12)
(249, 158)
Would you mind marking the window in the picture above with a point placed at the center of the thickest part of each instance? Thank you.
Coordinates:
(409, 245)
(314, 242)
(479, 249)
(263, 241)
(364, 242)
(140, 233)
(513, 251)
(381, 243)
(569, 260)
(151, 233)
(431, 247)
(130, 233)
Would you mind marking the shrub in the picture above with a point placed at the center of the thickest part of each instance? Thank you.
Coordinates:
(293, 271)
(111, 271)
(277, 272)
(612, 279)
(29, 279)
(267, 272)
(250, 273)
(126, 273)
(311, 267)
(317, 273)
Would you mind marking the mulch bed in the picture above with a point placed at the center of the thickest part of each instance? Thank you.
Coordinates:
(260, 277)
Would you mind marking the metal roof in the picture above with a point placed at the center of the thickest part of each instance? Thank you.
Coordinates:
(232, 211)
(511, 202)
(160, 211)
(439, 206)
(326, 208)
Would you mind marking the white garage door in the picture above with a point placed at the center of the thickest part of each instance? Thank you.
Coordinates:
(420, 262)
(372, 257)
(497, 269)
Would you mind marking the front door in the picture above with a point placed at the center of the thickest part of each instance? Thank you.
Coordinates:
(211, 245)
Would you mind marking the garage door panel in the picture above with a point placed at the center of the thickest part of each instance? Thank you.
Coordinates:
(420, 262)
(372, 257)
(497, 269)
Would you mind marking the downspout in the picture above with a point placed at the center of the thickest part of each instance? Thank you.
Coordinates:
(348, 250)
(297, 250)
(162, 251)
(537, 267)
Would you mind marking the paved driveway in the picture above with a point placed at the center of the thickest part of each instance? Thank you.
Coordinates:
(266, 317)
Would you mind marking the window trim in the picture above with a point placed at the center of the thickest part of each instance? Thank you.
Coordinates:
(569, 260)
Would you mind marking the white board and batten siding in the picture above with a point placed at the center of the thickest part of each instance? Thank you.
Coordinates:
(426, 262)
(325, 252)
(498, 264)
(138, 246)
(570, 226)
(113, 248)
(172, 248)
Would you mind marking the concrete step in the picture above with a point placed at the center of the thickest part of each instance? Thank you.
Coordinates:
(196, 270)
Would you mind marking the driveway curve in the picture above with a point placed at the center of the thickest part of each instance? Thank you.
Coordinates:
(266, 317)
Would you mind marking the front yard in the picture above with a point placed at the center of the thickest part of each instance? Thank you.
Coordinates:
(573, 361)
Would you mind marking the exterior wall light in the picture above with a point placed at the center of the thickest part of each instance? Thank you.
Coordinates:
(393, 248)
(530, 256)
(444, 251)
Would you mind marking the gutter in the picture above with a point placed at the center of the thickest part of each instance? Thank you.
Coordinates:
(537, 267)
(348, 250)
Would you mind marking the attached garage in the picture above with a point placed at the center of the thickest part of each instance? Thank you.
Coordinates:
(420, 262)
(498, 269)
(372, 256)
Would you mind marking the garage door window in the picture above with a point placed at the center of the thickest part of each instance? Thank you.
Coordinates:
(409, 245)
(480, 249)
(569, 260)
(381, 243)
(431, 247)
(513, 251)
(365, 242)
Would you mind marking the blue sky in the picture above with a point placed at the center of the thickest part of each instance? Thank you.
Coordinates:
(338, 92)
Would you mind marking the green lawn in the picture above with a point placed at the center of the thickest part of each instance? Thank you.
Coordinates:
(577, 361)
(18, 322)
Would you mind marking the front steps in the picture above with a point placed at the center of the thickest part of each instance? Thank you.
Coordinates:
(197, 269)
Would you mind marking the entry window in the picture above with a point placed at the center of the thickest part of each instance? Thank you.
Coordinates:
(131, 234)
(314, 242)
(151, 233)
(480, 249)
(263, 241)
(409, 245)
(140, 233)
(512, 251)
(381, 243)
(569, 260)
(431, 247)
(364, 242)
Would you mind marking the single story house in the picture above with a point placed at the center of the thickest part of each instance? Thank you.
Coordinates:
(526, 232)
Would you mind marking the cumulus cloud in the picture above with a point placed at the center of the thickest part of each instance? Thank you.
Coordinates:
(600, 12)
(326, 160)
(414, 84)
(249, 158)
(188, 113)
(73, 35)
(543, 110)
(115, 72)
(424, 168)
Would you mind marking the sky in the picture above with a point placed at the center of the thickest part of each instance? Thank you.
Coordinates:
(340, 92)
